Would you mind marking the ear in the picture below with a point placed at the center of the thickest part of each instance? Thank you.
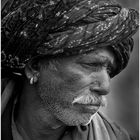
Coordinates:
(31, 73)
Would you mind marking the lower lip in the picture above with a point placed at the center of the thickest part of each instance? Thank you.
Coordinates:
(88, 108)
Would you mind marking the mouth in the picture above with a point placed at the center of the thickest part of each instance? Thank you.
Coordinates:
(87, 103)
(87, 108)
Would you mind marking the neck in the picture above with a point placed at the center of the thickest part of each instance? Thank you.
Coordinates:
(34, 119)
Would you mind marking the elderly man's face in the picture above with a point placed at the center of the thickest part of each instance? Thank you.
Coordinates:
(74, 88)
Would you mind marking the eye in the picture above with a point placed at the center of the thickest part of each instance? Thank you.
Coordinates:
(92, 66)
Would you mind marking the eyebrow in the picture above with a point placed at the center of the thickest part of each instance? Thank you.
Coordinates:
(95, 58)
(98, 59)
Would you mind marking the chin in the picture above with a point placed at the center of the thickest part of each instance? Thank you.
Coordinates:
(81, 120)
(72, 118)
(88, 121)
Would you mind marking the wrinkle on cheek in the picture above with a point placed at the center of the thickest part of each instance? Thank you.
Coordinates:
(83, 77)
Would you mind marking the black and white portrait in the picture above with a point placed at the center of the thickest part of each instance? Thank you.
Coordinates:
(69, 70)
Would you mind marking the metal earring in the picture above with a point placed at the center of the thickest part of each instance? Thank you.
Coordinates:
(32, 80)
(35, 79)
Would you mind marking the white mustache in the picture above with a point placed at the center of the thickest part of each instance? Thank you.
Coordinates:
(91, 100)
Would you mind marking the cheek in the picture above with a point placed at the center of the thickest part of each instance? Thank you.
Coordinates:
(61, 86)
(78, 75)
(53, 89)
(74, 78)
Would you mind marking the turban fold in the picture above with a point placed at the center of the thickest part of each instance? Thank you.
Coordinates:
(32, 28)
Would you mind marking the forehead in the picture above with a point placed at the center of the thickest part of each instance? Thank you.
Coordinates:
(101, 53)
(98, 53)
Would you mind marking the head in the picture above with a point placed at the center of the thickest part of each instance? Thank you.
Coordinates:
(73, 88)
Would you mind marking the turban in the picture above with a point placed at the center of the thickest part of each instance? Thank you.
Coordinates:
(32, 28)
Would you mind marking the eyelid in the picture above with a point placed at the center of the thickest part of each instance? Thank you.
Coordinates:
(107, 63)
(92, 66)
(96, 66)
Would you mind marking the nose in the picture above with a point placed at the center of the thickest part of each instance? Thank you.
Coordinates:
(100, 83)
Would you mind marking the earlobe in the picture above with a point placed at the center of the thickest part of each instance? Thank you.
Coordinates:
(31, 74)
(28, 72)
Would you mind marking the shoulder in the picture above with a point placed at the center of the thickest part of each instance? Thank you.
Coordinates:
(9, 91)
(112, 129)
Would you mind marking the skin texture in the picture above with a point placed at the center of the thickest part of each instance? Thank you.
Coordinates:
(74, 77)
(63, 92)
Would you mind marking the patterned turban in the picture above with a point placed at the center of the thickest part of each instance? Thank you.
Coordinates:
(32, 28)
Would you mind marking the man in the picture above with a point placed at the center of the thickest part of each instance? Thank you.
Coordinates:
(57, 61)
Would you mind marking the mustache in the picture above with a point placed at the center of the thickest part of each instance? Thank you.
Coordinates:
(90, 100)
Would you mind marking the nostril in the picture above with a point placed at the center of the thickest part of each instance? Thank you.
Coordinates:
(99, 90)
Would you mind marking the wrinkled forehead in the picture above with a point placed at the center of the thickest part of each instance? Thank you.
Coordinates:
(99, 53)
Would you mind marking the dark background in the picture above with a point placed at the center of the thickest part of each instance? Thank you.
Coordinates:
(123, 101)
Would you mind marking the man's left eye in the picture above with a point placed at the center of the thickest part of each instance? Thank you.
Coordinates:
(92, 66)
(98, 66)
